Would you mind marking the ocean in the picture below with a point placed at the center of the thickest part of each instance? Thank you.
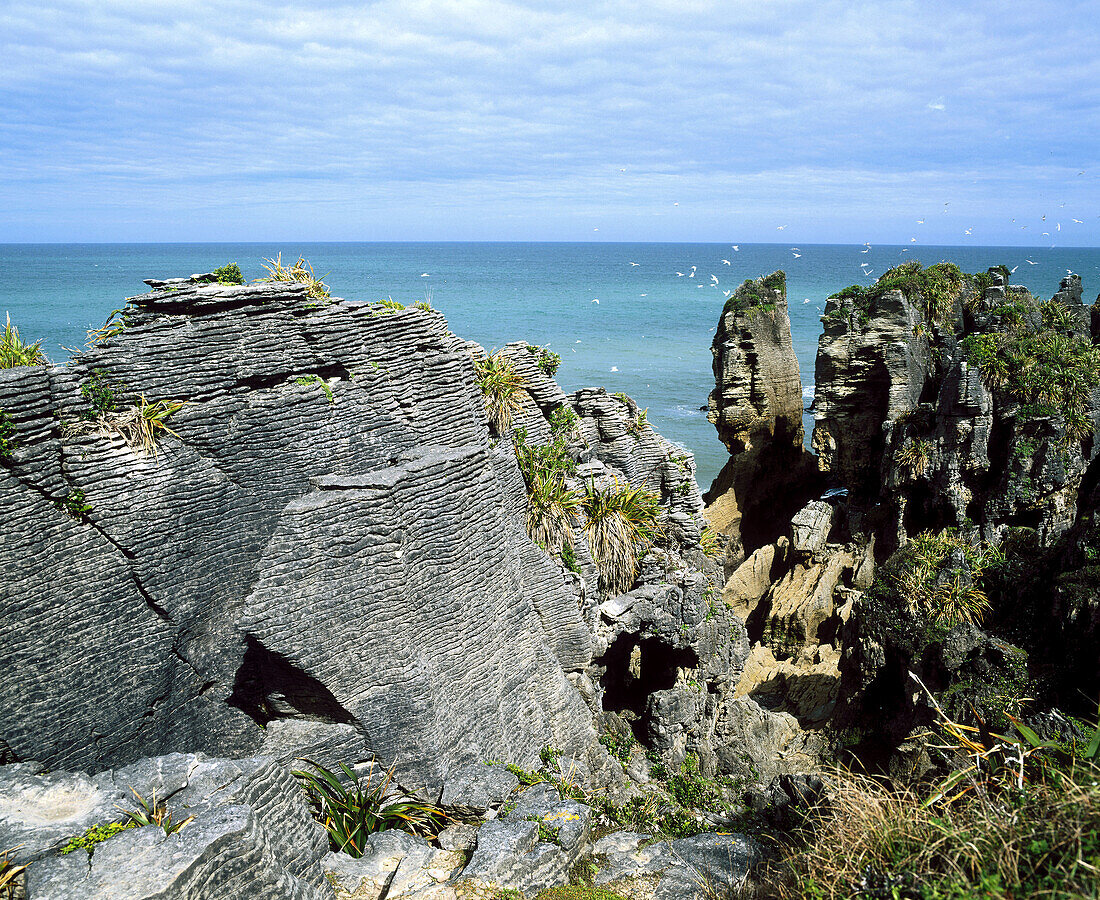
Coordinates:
(648, 335)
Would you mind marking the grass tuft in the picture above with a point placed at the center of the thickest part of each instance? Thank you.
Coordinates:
(619, 518)
(502, 388)
(301, 272)
(15, 352)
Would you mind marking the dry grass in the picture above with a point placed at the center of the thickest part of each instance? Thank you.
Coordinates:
(301, 272)
(618, 519)
(141, 426)
(10, 874)
(14, 352)
(870, 840)
(502, 387)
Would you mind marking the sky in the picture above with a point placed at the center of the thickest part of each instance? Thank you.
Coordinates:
(678, 120)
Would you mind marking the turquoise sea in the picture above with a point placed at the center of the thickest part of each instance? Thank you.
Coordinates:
(649, 335)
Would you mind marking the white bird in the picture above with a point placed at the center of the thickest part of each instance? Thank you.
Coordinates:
(1030, 263)
(912, 240)
(714, 278)
(634, 264)
(904, 249)
(780, 227)
(865, 250)
(679, 274)
(597, 300)
(807, 300)
(643, 295)
(614, 368)
(692, 275)
(1057, 226)
(737, 247)
(425, 275)
(868, 273)
(1045, 234)
(727, 293)
(797, 255)
(727, 262)
(675, 204)
(969, 231)
(920, 221)
(1078, 221)
(1013, 269)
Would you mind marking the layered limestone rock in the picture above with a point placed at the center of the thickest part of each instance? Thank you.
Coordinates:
(326, 536)
(756, 406)
(923, 437)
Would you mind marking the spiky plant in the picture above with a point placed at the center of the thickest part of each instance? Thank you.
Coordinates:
(301, 272)
(551, 510)
(152, 812)
(352, 807)
(939, 577)
(14, 352)
(142, 425)
(502, 388)
(914, 455)
(619, 518)
(9, 873)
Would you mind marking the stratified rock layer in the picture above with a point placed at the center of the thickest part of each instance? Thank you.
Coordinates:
(326, 536)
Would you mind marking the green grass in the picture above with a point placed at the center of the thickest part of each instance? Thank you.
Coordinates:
(578, 892)
(618, 519)
(10, 874)
(758, 296)
(14, 351)
(931, 580)
(545, 358)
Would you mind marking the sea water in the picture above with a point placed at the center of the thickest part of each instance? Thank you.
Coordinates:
(637, 318)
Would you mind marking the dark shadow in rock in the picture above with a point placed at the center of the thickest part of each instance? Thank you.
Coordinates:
(268, 686)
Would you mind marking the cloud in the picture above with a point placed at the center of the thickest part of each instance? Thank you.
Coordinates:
(500, 106)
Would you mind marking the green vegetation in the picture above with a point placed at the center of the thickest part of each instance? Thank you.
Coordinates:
(708, 543)
(564, 422)
(545, 358)
(150, 812)
(142, 425)
(937, 289)
(639, 422)
(578, 892)
(914, 455)
(230, 273)
(1050, 372)
(8, 441)
(301, 272)
(569, 559)
(748, 298)
(97, 834)
(351, 807)
(618, 518)
(317, 379)
(937, 575)
(620, 746)
(551, 505)
(14, 352)
(117, 321)
(100, 394)
(388, 305)
(75, 504)
(502, 387)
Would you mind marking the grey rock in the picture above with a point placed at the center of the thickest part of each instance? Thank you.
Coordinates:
(810, 527)
(510, 855)
(458, 837)
(479, 786)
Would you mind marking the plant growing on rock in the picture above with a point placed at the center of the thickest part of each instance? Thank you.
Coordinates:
(9, 874)
(150, 812)
(97, 834)
(140, 426)
(351, 807)
(915, 454)
(545, 358)
(619, 518)
(230, 273)
(502, 388)
(8, 442)
(301, 272)
(15, 352)
(551, 505)
(937, 574)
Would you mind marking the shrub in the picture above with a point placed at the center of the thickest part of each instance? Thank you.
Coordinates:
(617, 518)
(545, 358)
(8, 442)
(564, 421)
(301, 272)
(914, 455)
(75, 504)
(14, 352)
(230, 273)
(100, 394)
(352, 807)
(502, 387)
(936, 289)
(388, 305)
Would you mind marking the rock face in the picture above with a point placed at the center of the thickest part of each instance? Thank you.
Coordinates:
(923, 437)
(326, 536)
(250, 831)
(756, 406)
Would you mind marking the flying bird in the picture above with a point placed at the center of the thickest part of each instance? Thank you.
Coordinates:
(425, 275)
(714, 278)
(679, 274)
(692, 275)
(969, 231)
(597, 300)
(1013, 269)
(737, 247)
(727, 262)
(1030, 262)
(780, 227)
(797, 255)
(1078, 221)
(726, 293)
(920, 221)
(634, 263)
(1057, 226)
(912, 240)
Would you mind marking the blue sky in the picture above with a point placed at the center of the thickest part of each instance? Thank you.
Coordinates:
(122, 120)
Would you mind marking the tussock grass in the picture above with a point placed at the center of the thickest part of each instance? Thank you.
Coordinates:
(938, 575)
(871, 840)
(618, 518)
(502, 387)
(10, 874)
(301, 272)
(15, 352)
(141, 426)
